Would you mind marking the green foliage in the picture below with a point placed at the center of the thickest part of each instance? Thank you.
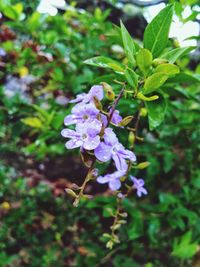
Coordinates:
(39, 225)
(156, 33)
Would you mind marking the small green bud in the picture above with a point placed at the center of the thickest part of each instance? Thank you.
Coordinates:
(123, 215)
(70, 192)
(131, 138)
(126, 121)
(109, 93)
(122, 222)
(142, 165)
(143, 112)
(109, 244)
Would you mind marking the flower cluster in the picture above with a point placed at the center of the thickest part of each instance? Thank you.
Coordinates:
(92, 133)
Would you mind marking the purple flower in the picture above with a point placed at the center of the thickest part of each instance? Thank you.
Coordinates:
(139, 186)
(96, 91)
(81, 113)
(116, 118)
(112, 179)
(79, 98)
(85, 136)
(111, 148)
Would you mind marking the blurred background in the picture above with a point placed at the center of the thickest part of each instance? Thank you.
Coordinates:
(42, 48)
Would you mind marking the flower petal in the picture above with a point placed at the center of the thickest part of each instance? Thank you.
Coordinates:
(103, 179)
(79, 98)
(114, 184)
(91, 143)
(120, 162)
(93, 127)
(96, 91)
(116, 118)
(71, 119)
(103, 152)
(68, 133)
(73, 143)
(110, 137)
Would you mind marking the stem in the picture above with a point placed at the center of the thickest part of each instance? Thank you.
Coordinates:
(112, 110)
(116, 216)
(86, 180)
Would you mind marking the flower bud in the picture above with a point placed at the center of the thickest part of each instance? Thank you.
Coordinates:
(145, 98)
(126, 121)
(143, 112)
(131, 138)
(142, 165)
(70, 192)
(109, 93)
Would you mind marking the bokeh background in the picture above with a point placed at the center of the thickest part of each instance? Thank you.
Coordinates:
(42, 48)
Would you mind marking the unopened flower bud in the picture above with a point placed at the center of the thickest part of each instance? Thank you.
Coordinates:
(70, 192)
(109, 93)
(143, 112)
(131, 138)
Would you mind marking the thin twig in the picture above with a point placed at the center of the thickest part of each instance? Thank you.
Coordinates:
(112, 110)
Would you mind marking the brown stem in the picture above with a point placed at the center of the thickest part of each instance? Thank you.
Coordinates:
(86, 180)
(116, 216)
(112, 110)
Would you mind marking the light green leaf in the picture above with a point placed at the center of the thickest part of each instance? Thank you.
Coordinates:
(13, 12)
(128, 44)
(153, 82)
(185, 249)
(156, 112)
(32, 122)
(167, 68)
(156, 33)
(177, 53)
(144, 60)
(106, 62)
(131, 78)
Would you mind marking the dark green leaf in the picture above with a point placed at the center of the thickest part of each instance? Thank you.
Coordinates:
(131, 78)
(156, 112)
(177, 53)
(129, 46)
(156, 33)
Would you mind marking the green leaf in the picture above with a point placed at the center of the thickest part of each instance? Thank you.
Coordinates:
(144, 60)
(177, 53)
(156, 33)
(185, 249)
(34, 21)
(131, 78)
(153, 82)
(185, 78)
(167, 68)
(13, 12)
(105, 62)
(156, 112)
(128, 44)
(32, 122)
